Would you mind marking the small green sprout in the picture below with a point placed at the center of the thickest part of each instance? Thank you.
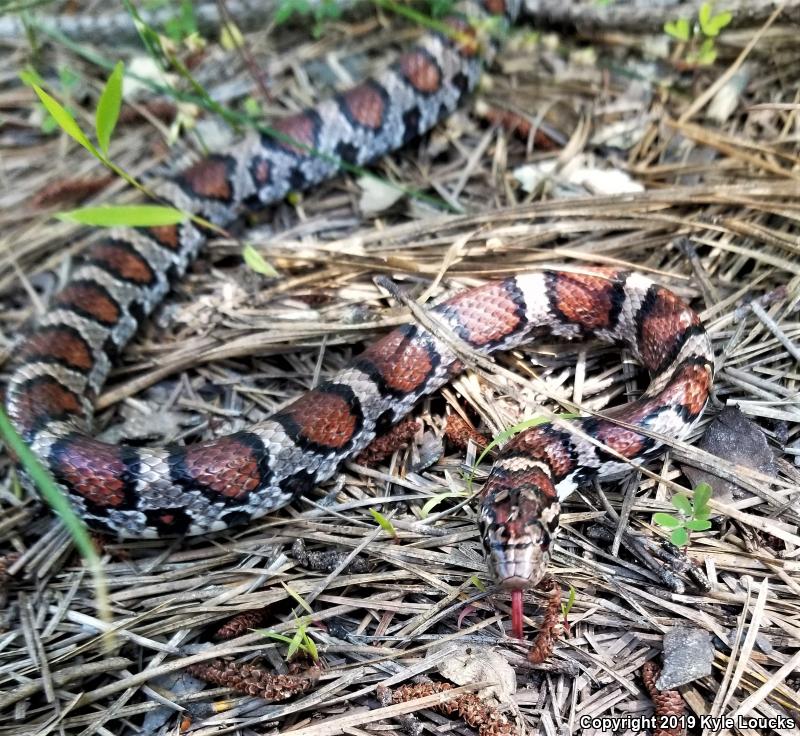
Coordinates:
(300, 600)
(566, 608)
(252, 107)
(441, 8)
(679, 29)
(384, 523)
(475, 580)
(300, 642)
(182, 25)
(325, 12)
(288, 8)
(706, 54)
(435, 500)
(256, 262)
(708, 26)
(695, 515)
(711, 24)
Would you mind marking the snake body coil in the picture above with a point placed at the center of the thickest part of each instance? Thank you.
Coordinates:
(150, 492)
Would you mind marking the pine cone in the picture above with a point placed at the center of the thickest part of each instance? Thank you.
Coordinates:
(459, 432)
(252, 680)
(382, 447)
(470, 707)
(543, 644)
(666, 703)
(240, 624)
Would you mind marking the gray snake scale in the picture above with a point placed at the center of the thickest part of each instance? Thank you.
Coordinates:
(61, 365)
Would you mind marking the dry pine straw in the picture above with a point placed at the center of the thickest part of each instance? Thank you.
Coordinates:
(230, 347)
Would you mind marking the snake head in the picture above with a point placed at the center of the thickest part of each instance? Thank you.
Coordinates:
(518, 518)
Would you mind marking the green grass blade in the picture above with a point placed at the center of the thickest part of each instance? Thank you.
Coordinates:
(567, 607)
(310, 646)
(273, 635)
(108, 107)
(298, 598)
(296, 643)
(422, 20)
(141, 215)
(62, 116)
(475, 580)
(58, 502)
(147, 35)
(384, 523)
(434, 501)
(256, 262)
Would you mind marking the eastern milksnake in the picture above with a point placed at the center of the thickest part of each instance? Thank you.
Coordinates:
(60, 366)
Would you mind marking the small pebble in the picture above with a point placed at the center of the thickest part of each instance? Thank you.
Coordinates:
(737, 439)
(688, 655)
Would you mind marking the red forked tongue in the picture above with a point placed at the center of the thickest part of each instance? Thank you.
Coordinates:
(516, 613)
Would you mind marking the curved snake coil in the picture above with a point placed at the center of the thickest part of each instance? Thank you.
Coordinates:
(150, 492)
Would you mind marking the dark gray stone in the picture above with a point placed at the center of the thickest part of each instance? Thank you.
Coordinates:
(737, 439)
(688, 655)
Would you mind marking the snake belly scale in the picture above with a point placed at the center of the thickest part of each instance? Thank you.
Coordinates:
(61, 364)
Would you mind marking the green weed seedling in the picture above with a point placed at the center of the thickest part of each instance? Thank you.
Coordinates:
(184, 24)
(299, 642)
(700, 36)
(694, 515)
